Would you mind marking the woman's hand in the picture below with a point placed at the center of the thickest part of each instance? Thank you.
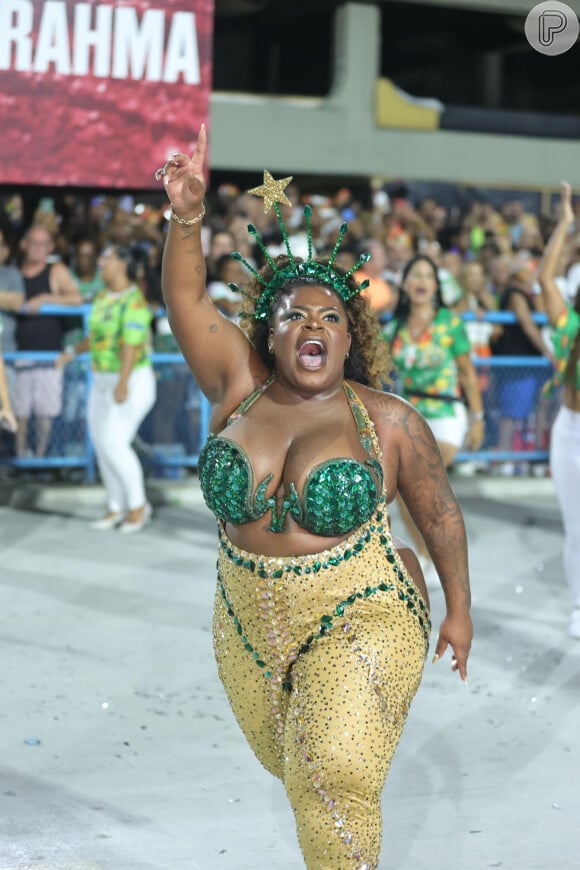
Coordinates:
(121, 393)
(567, 215)
(8, 420)
(475, 434)
(33, 306)
(62, 359)
(456, 631)
(184, 179)
(553, 303)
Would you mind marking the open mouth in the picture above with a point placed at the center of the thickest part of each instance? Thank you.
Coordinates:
(312, 354)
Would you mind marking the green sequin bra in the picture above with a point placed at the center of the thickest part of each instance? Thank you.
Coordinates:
(339, 494)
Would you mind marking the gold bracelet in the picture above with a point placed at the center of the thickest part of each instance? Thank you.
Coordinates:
(185, 223)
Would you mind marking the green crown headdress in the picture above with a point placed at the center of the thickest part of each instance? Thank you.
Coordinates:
(273, 192)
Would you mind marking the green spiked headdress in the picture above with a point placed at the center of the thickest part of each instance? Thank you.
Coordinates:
(273, 192)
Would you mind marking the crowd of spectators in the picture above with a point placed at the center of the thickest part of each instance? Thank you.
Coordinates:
(487, 258)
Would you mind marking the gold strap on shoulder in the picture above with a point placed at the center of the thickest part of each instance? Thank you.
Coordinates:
(247, 403)
(365, 425)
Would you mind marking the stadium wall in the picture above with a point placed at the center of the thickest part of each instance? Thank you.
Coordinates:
(365, 127)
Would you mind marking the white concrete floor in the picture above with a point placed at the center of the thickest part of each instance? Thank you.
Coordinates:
(119, 751)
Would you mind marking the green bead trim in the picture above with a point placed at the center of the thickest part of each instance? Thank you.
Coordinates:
(405, 590)
(408, 593)
(351, 551)
(238, 626)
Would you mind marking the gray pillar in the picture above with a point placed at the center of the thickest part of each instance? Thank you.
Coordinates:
(491, 79)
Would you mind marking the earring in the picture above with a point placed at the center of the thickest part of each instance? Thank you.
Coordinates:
(270, 348)
(347, 354)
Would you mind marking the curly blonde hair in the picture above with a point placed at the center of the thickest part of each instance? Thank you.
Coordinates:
(368, 363)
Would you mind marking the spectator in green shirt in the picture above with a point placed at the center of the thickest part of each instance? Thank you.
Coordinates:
(435, 373)
(123, 387)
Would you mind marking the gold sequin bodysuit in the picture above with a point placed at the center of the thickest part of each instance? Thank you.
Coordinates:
(321, 656)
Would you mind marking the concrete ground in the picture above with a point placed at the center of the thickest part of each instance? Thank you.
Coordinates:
(119, 751)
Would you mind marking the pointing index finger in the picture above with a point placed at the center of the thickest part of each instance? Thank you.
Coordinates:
(201, 143)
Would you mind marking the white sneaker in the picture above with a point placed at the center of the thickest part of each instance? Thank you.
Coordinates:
(128, 528)
(429, 573)
(574, 626)
(111, 521)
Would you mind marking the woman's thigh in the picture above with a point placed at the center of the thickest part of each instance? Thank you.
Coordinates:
(351, 694)
(259, 702)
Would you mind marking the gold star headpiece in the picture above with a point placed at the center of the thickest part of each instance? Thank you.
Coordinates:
(272, 191)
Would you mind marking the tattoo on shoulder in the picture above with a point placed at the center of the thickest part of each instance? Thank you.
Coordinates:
(213, 327)
(387, 408)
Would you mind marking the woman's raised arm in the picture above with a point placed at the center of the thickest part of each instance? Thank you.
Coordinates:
(219, 355)
(551, 295)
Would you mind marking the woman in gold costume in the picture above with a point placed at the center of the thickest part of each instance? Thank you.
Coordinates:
(321, 619)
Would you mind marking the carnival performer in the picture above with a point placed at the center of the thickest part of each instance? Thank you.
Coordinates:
(321, 623)
(565, 436)
(431, 351)
(123, 388)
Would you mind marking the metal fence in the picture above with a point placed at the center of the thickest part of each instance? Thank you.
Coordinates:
(170, 438)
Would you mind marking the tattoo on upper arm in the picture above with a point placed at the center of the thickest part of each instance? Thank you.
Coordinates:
(213, 327)
(442, 521)
(383, 409)
(427, 488)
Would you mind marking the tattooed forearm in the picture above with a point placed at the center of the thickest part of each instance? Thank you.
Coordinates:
(447, 545)
(191, 233)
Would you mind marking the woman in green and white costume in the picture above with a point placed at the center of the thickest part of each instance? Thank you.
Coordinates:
(431, 350)
(565, 439)
(123, 389)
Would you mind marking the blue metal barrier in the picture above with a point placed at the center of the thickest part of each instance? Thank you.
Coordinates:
(171, 437)
(516, 365)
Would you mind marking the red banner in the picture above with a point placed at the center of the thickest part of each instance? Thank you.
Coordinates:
(99, 95)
